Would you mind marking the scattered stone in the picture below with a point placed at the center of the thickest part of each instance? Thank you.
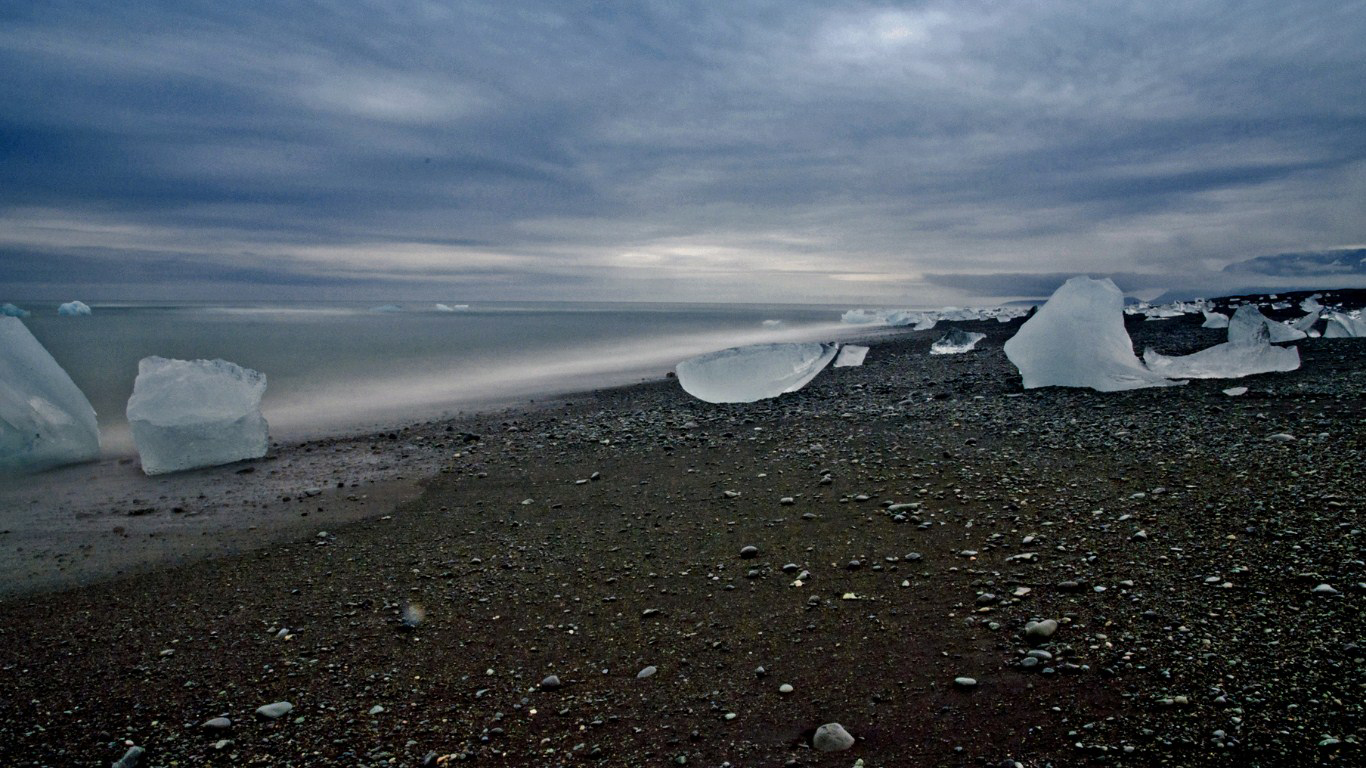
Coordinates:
(646, 672)
(274, 711)
(832, 737)
(217, 724)
(130, 759)
(965, 682)
(551, 683)
(749, 553)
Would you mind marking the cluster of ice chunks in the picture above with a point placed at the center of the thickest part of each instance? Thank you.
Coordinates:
(1230, 360)
(756, 372)
(1077, 339)
(45, 420)
(926, 320)
(956, 342)
(196, 413)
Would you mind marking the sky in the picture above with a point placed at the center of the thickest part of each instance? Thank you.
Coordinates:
(788, 151)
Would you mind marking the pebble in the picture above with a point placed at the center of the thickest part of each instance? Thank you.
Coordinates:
(785, 688)
(965, 682)
(550, 683)
(646, 672)
(130, 758)
(375, 710)
(832, 737)
(749, 552)
(274, 711)
(1325, 589)
(1039, 631)
(217, 724)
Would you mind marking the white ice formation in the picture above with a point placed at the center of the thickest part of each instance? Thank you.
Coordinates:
(196, 413)
(1344, 326)
(1230, 360)
(926, 320)
(956, 342)
(850, 356)
(387, 309)
(45, 421)
(1215, 320)
(756, 372)
(1077, 339)
(1312, 304)
(9, 310)
(73, 309)
(1245, 321)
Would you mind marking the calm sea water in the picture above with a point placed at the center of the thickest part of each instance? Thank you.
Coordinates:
(336, 368)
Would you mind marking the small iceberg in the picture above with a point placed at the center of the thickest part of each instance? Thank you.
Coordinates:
(756, 372)
(956, 342)
(196, 413)
(1215, 320)
(850, 356)
(387, 309)
(9, 310)
(45, 420)
(1077, 339)
(1230, 360)
(1343, 326)
(74, 309)
(445, 308)
(1245, 321)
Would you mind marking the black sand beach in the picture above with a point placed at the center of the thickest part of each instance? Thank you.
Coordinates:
(1200, 553)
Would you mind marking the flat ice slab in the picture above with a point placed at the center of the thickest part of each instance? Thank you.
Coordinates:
(1077, 339)
(956, 342)
(45, 420)
(196, 413)
(756, 372)
(1230, 360)
(850, 356)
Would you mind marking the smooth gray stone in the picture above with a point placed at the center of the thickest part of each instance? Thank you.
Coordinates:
(274, 711)
(832, 737)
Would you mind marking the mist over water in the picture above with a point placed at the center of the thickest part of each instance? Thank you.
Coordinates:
(338, 368)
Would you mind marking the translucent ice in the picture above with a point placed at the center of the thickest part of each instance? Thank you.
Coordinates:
(1343, 326)
(196, 413)
(9, 310)
(1215, 320)
(1311, 304)
(1230, 360)
(956, 342)
(746, 374)
(850, 355)
(73, 309)
(1077, 339)
(45, 421)
(1245, 321)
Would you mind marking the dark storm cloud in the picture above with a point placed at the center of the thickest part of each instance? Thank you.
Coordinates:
(811, 150)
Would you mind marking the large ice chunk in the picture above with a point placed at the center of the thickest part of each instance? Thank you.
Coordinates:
(1342, 326)
(746, 374)
(850, 356)
(1245, 321)
(196, 413)
(45, 421)
(1077, 339)
(1230, 360)
(956, 342)
(74, 309)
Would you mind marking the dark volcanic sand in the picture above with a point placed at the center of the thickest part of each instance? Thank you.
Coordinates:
(1200, 642)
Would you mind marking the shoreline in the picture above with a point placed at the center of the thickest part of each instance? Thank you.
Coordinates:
(910, 517)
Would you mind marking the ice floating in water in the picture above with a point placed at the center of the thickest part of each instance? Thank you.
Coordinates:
(1215, 320)
(956, 342)
(924, 321)
(1230, 360)
(9, 310)
(746, 374)
(1342, 326)
(1243, 326)
(1077, 339)
(772, 323)
(196, 413)
(387, 308)
(45, 421)
(73, 309)
(850, 355)
(445, 308)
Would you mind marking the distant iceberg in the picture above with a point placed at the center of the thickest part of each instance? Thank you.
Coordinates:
(196, 413)
(956, 342)
(772, 323)
(1077, 339)
(757, 372)
(850, 356)
(45, 420)
(74, 309)
(9, 310)
(1215, 320)
(1230, 360)
(441, 308)
(387, 308)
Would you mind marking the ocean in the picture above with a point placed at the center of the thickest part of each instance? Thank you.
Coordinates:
(340, 368)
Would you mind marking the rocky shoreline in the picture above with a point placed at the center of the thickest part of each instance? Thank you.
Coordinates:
(1155, 577)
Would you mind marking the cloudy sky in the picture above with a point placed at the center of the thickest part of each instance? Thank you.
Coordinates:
(742, 150)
